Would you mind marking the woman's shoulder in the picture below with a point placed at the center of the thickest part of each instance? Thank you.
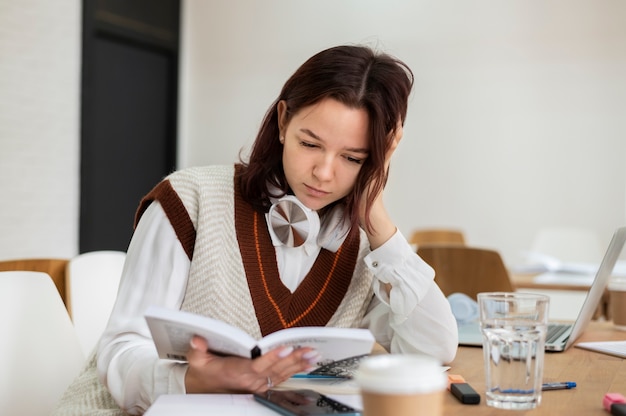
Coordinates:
(204, 175)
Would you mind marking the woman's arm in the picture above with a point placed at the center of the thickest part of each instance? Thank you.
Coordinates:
(155, 273)
(409, 314)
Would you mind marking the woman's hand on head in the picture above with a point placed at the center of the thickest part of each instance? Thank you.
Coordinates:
(395, 141)
(210, 373)
(382, 225)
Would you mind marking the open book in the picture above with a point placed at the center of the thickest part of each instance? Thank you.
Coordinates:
(172, 331)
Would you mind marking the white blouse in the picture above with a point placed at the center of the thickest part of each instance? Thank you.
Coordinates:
(415, 317)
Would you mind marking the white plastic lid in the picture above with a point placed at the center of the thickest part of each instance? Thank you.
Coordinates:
(400, 374)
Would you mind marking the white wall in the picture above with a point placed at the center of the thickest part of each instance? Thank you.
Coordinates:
(39, 127)
(517, 119)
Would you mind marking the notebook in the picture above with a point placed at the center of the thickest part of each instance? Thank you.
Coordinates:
(562, 336)
(616, 348)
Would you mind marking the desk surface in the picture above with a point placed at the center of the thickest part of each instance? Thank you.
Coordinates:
(595, 374)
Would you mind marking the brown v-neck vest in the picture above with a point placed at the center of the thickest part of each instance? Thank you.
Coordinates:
(215, 228)
(316, 299)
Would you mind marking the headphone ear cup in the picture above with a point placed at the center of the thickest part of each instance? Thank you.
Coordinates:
(292, 223)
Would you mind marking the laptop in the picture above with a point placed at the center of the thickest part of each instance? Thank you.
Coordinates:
(561, 336)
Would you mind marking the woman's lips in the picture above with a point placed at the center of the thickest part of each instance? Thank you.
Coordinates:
(315, 192)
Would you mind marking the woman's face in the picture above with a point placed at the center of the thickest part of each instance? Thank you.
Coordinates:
(324, 147)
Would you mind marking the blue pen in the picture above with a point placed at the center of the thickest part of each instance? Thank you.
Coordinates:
(305, 375)
(565, 385)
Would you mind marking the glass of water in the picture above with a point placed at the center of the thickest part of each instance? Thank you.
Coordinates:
(514, 333)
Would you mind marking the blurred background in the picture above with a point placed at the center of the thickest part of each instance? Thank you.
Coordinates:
(516, 123)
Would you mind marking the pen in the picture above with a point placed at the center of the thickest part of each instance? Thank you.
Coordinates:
(565, 385)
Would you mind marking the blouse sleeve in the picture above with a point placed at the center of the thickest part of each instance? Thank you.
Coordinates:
(415, 316)
(155, 273)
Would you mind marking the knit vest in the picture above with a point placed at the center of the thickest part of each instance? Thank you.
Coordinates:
(201, 205)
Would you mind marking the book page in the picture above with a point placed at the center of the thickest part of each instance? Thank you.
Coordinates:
(333, 344)
(172, 331)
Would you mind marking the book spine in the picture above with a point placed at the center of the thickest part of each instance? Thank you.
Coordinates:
(256, 352)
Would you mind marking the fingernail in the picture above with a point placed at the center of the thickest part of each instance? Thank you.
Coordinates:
(310, 354)
(312, 357)
(193, 344)
(285, 352)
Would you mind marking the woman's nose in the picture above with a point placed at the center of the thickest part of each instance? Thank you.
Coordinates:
(323, 169)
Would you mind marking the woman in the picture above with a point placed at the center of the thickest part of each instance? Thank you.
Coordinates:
(205, 242)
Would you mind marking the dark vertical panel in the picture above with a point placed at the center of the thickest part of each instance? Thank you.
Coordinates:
(129, 111)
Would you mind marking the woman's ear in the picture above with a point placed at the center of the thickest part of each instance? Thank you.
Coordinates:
(282, 117)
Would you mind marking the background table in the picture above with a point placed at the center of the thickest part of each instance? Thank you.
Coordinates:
(522, 281)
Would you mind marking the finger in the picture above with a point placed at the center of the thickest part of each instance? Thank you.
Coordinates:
(198, 347)
(397, 133)
(282, 363)
(295, 363)
(265, 362)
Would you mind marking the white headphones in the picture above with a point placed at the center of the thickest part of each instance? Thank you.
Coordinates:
(292, 223)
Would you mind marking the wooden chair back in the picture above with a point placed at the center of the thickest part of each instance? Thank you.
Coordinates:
(55, 268)
(437, 236)
(468, 270)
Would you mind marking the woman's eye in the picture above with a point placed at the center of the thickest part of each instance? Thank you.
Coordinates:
(307, 144)
(354, 160)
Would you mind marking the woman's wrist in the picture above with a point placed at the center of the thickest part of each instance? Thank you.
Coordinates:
(382, 228)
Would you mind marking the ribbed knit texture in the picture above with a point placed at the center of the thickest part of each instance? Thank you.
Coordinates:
(86, 396)
(175, 211)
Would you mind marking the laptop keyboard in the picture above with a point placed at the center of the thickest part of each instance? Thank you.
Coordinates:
(555, 331)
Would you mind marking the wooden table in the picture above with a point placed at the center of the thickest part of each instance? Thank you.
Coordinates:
(595, 374)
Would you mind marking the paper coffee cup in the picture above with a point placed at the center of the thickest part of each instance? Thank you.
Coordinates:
(401, 385)
(617, 303)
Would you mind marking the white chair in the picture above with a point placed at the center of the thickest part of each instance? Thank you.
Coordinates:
(39, 351)
(92, 282)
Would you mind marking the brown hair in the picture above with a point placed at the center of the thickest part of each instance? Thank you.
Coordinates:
(356, 76)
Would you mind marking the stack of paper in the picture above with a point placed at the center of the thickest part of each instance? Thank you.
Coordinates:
(616, 348)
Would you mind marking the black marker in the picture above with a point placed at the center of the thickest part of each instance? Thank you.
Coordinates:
(465, 393)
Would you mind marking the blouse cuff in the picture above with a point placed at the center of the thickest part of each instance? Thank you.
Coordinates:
(395, 263)
(177, 379)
